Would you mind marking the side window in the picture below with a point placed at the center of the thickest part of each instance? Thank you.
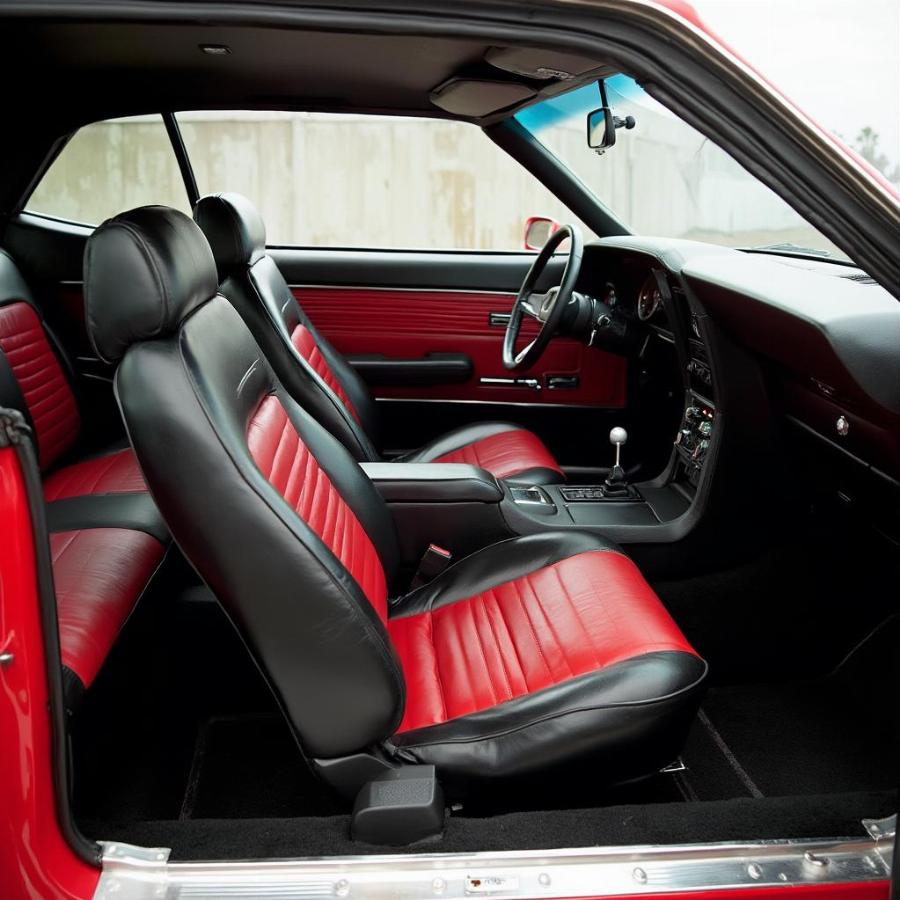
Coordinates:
(108, 167)
(328, 180)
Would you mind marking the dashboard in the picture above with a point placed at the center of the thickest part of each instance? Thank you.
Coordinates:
(824, 336)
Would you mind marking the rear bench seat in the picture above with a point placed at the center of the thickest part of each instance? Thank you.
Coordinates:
(106, 536)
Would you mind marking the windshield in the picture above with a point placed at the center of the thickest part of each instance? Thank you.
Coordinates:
(663, 178)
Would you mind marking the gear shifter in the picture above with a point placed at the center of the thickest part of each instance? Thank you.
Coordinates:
(615, 484)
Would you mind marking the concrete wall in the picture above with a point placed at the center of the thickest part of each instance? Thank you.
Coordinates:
(356, 182)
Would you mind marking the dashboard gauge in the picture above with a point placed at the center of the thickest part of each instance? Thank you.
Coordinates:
(609, 295)
(649, 300)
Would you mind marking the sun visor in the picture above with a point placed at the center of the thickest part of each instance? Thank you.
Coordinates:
(479, 97)
(544, 65)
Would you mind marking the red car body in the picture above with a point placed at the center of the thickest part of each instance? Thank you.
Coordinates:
(36, 858)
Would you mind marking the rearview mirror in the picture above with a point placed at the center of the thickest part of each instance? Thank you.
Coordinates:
(538, 230)
(601, 129)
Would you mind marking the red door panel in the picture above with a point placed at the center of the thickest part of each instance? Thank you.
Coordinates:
(408, 324)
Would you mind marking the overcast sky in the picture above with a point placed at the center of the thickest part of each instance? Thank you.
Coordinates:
(839, 60)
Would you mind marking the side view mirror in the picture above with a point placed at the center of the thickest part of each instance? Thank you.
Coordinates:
(601, 129)
(538, 230)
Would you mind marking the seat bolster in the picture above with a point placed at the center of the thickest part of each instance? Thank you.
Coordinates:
(630, 718)
(498, 564)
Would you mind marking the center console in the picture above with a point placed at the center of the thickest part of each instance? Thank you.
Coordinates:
(645, 512)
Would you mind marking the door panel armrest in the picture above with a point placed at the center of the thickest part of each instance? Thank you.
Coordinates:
(435, 368)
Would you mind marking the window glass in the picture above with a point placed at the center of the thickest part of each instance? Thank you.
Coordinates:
(328, 180)
(108, 167)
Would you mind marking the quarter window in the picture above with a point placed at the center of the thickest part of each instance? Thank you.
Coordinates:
(108, 167)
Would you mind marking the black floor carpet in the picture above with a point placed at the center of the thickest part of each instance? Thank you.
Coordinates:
(249, 767)
(794, 612)
(836, 733)
(833, 815)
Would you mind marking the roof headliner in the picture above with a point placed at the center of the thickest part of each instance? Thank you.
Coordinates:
(126, 68)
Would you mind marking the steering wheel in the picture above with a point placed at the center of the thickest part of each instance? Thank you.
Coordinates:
(547, 308)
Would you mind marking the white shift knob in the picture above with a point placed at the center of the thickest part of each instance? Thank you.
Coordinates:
(618, 436)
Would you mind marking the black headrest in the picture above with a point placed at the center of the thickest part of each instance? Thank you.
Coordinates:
(144, 271)
(234, 228)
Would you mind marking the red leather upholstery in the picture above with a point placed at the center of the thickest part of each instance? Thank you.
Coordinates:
(104, 550)
(99, 575)
(113, 473)
(302, 339)
(48, 396)
(579, 615)
(505, 454)
(293, 471)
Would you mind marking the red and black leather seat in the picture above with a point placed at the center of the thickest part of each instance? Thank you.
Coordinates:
(106, 536)
(527, 655)
(316, 375)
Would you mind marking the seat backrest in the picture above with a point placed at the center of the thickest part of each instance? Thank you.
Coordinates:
(32, 375)
(312, 371)
(270, 509)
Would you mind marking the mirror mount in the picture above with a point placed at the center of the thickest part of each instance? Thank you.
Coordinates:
(602, 124)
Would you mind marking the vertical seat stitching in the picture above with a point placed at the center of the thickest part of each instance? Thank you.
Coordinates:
(500, 653)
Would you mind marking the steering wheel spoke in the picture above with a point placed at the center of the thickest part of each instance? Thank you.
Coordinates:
(545, 307)
(522, 354)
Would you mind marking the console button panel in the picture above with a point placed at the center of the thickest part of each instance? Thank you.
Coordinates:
(695, 434)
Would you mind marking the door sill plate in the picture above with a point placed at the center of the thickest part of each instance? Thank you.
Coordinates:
(137, 873)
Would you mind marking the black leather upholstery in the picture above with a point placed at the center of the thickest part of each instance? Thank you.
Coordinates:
(252, 282)
(186, 397)
(155, 271)
(188, 391)
(235, 231)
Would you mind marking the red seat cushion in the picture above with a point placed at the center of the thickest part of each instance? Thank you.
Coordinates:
(505, 454)
(114, 473)
(576, 616)
(36, 368)
(99, 574)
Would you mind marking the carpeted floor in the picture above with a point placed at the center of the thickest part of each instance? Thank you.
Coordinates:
(832, 815)
(835, 733)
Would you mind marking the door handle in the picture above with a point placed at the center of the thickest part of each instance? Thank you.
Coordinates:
(531, 383)
(499, 319)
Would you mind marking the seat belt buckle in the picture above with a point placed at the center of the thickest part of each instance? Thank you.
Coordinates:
(434, 560)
